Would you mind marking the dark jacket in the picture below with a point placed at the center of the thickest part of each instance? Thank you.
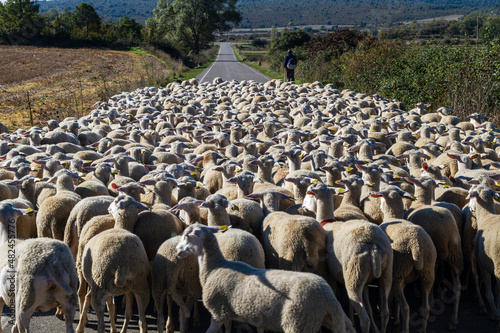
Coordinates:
(287, 58)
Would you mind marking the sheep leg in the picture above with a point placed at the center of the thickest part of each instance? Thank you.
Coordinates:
(68, 310)
(482, 306)
(452, 325)
(170, 323)
(356, 301)
(59, 313)
(112, 313)
(129, 299)
(215, 326)
(159, 303)
(98, 298)
(23, 318)
(2, 303)
(142, 299)
(426, 294)
(196, 317)
(366, 302)
(228, 325)
(385, 284)
(489, 295)
(82, 290)
(84, 309)
(398, 289)
(182, 316)
(397, 315)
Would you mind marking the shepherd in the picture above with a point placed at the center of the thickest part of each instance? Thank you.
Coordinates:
(289, 65)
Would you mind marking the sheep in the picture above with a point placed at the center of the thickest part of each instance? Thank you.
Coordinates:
(357, 252)
(155, 227)
(446, 238)
(297, 302)
(45, 278)
(81, 213)
(368, 204)
(122, 263)
(349, 208)
(414, 254)
(248, 215)
(53, 213)
(486, 244)
(26, 224)
(291, 242)
(175, 278)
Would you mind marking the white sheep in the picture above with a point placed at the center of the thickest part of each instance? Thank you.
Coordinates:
(291, 302)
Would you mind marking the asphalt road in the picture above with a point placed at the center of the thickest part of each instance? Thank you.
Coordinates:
(228, 68)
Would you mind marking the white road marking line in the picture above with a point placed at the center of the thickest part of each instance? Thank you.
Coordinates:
(212, 65)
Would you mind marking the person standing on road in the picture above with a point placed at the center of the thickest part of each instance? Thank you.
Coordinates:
(289, 65)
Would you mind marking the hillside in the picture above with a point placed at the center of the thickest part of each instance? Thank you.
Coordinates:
(265, 13)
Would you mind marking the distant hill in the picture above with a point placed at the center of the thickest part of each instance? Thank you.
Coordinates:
(265, 13)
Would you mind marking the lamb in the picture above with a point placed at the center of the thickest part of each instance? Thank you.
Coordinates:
(297, 302)
(357, 252)
(122, 263)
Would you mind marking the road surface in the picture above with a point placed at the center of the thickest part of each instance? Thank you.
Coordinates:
(228, 68)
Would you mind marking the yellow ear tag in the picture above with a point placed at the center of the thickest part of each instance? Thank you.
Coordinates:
(314, 181)
(496, 198)
(29, 211)
(341, 190)
(236, 208)
(223, 227)
(349, 169)
(412, 198)
(199, 185)
(192, 173)
(497, 183)
(346, 144)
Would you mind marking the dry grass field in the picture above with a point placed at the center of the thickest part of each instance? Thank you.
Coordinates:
(56, 83)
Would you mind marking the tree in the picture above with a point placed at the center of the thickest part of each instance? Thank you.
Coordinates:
(85, 16)
(191, 24)
(129, 28)
(20, 21)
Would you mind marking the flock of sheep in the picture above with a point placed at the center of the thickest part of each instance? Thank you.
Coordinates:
(263, 200)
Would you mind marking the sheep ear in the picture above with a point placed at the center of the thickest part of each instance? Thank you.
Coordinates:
(307, 158)
(148, 182)
(141, 207)
(337, 190)
(121, 205)
(253, 196)
(409, 196)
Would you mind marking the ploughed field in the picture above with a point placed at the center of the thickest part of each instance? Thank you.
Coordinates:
(59, 82)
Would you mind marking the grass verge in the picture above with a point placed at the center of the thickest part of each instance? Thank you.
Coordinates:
(209, 58)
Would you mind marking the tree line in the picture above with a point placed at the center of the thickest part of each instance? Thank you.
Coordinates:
(179, 27)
